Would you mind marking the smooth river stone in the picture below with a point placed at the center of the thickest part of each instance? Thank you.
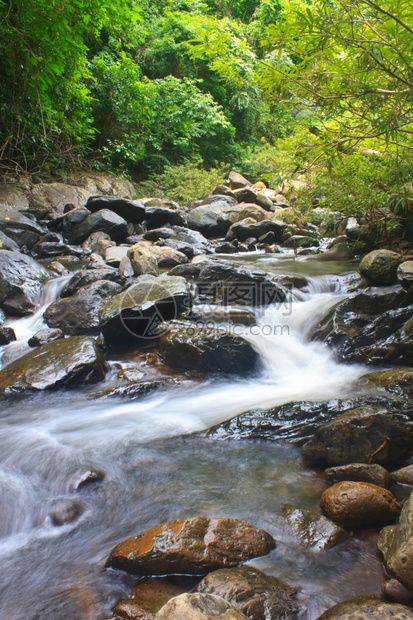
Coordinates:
(191, 546)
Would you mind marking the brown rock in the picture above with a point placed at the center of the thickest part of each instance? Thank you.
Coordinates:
(315, 530)
(146, 599)
(404, 475)
(395, 591)
(359, 503)
(193, 546)
(367, 608)
(396, 544)
(236, 180)
(199, 607)
(360, 472)
(252, 592)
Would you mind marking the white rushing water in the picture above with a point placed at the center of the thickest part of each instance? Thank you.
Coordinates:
(153, 475)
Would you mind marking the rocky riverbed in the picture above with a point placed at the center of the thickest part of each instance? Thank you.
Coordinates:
(206, 411)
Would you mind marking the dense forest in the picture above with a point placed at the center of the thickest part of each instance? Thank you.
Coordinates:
(180, 91)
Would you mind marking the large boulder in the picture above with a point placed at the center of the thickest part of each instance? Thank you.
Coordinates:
(199, 607)
(396, 544)
(193, 546)
(367, 434)
(230, 285)
(137, 312)
(19, 228)
(103, 221)
(88, 276)
(200, 244)
(314, 530)
(159, 216)
(252, 592)
(80, 314)
(62, 363)
(359, 503)
(237, 213)
(21, 282)
(380, 266)
(129, 210)
(186, 346)
(236, 180)
(8, 244)
(53, 197)
(248, 227)
(204, 219)
(368, 608)
(370, 328)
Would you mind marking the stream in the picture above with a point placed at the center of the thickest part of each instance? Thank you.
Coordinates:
(158, 468)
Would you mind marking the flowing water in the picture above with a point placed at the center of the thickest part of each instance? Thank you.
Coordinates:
(155, 470)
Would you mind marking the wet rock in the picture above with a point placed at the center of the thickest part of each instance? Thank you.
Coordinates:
(252, 592)
(314, 530)
(158, 233)
(193, 546)
(84, 277)
(133, 391)
(395, 591)
(200, 244)
(204, 219)
(237, 213)
(142, 259)
(62, 363)
(339, 252)
(190, 271)
(360, 472)
(236, 180)
(297, 422)
(363, 435)
(301, 241)
(218, 314)
(136, 313)
(226, 248)
(380, 266)
(249, 228)
(16, 226)
(367, 608)
(66, 512)
(185, 346)
(399, 381)
(80, 314)
(199, 607)
(129, 210)
(43, 336)
(167, 256)
(68, 221)
(21, 280)
(404, 475)
(102, 221)
(405, 274)
(8, 244)
(395, 543)
(7, 336)
(179, 246)
(359, 503)
(84, 478)
(93, 243)
(147, 598)
(231, 285)
(156, 217)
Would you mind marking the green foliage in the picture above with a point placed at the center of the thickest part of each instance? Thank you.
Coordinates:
(44, 100)
(184, 184)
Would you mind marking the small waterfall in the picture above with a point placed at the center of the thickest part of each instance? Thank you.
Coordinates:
(27, 326)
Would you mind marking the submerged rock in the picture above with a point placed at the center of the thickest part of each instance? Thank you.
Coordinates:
(186, 346)
(362, 435)
(21, 282)
(62, 363)
(65, 512)
(191, 546)
(359, 503)
(147, 598)
(199, 607)
(368, 608)
(252, 592)
(315, 530)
